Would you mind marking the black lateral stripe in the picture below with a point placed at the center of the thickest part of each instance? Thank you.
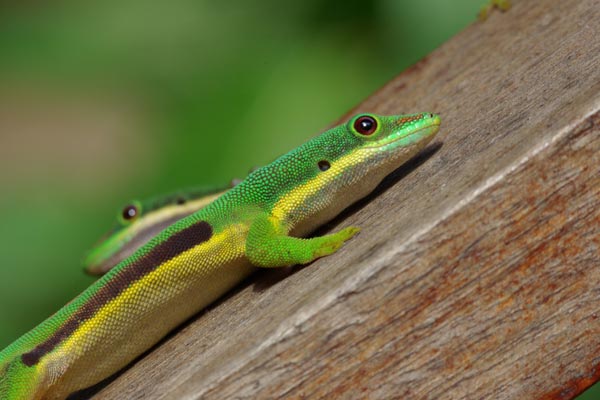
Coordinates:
(179, 242)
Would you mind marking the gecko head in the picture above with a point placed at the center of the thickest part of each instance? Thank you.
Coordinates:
(135, 224)
(318, 179)
(106, 252)
(390, 136)
(371, 146)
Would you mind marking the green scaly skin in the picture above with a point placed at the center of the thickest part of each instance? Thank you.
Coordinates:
(258, 223)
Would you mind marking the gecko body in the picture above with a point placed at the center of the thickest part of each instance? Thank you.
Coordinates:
(260, 222)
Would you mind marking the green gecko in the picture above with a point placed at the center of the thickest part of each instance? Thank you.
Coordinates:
(259, 223)
(140, 221)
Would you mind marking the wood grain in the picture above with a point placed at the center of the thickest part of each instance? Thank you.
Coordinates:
(476, 275)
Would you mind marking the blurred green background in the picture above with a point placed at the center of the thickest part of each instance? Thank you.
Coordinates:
(102, 102)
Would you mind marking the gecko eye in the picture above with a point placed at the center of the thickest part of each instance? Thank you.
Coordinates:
(365, 125)
(324, 165)
(130, 212)
(180, 201)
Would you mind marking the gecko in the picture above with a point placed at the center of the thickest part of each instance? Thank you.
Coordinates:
(141, 220)
(263, 222)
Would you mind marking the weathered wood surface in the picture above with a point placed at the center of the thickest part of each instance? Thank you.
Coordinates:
(476, 275)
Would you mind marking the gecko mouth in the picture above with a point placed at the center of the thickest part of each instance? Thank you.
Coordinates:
(412, 137)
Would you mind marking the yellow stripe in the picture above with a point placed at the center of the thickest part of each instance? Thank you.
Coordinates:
(299, 195)
(101, 321)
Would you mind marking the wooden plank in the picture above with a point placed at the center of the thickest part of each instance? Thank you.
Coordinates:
(477, 271)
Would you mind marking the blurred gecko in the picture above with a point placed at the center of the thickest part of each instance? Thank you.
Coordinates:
(258, 223)
(502, 5)
(140, 221)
